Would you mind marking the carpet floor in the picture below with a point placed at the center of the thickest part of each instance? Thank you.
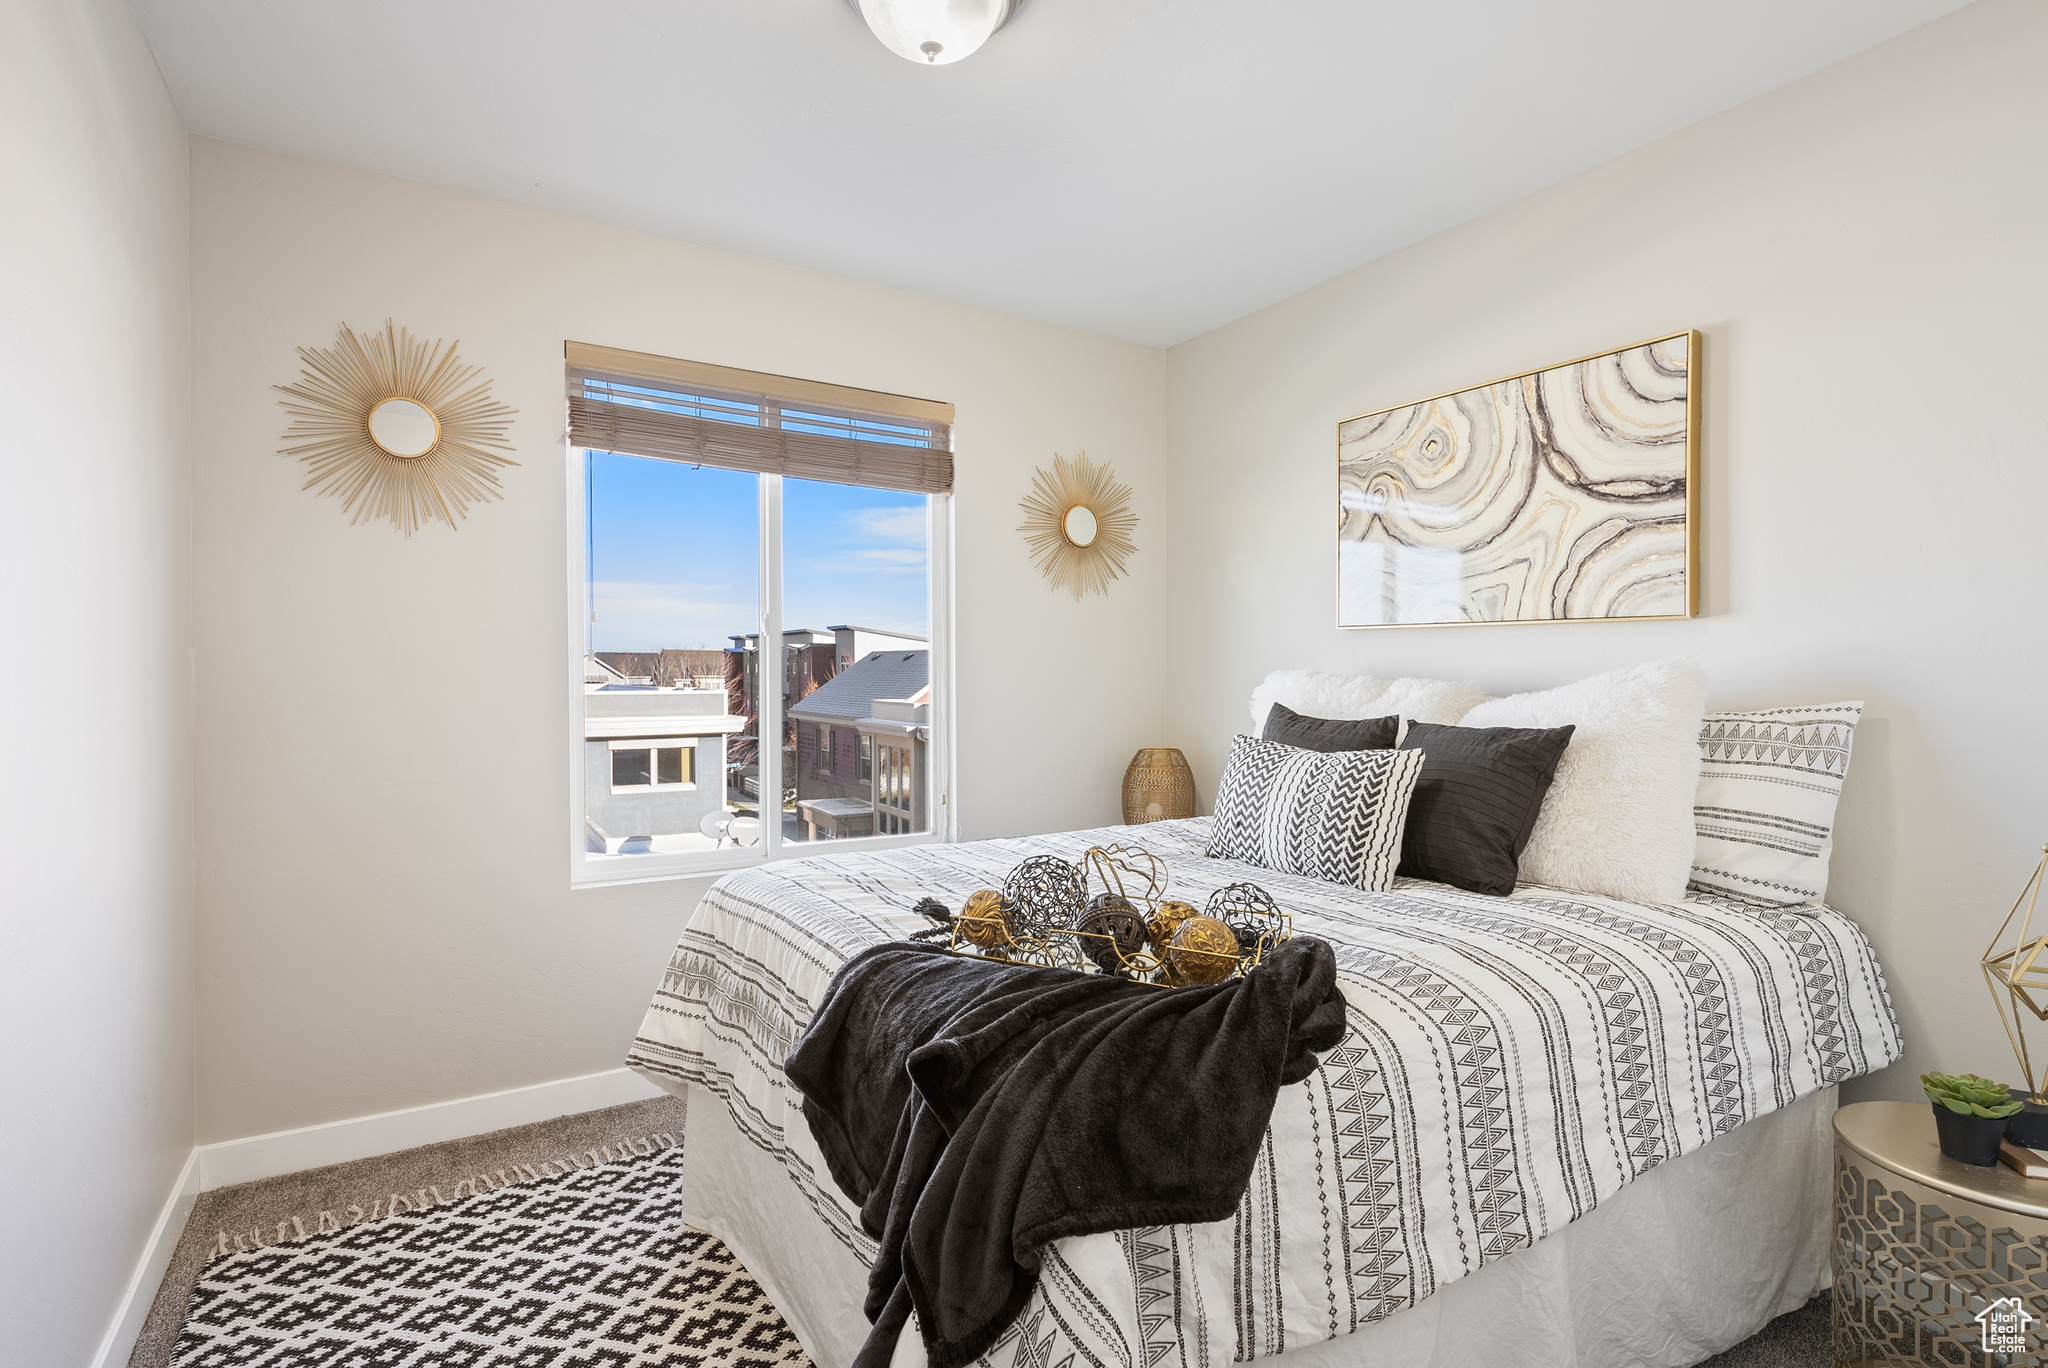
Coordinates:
(562, 1246)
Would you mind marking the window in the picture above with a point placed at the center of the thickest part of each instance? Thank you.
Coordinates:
(757, 560)
(643, 764)
(896, 795)
(677, 766)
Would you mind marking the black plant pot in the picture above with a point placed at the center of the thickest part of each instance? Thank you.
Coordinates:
(1970, 1139)
(2029, 1126)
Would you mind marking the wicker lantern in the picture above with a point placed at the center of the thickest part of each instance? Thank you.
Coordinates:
(1158, 785)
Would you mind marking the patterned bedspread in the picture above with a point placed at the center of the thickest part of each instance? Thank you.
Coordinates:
(1511, 1062)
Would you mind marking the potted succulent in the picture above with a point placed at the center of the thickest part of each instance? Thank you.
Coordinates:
(2029, 1125)
(1970, 1115)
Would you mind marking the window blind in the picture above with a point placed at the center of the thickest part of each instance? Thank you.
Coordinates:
(676, 410)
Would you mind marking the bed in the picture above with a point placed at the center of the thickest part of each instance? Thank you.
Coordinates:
(1561, 1129)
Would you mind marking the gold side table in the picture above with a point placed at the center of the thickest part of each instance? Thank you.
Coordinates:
(1933, 1259)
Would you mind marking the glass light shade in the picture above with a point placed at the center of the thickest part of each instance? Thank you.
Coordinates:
(934, 32)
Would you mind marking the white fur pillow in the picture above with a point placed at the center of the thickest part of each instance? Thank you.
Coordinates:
(1354, 696)
(1618, 818)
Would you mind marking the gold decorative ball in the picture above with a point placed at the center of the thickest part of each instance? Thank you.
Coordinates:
(1203, 950)
(985, 919)
(1166, 920)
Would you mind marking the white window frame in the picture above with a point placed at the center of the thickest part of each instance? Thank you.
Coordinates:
(588, 870)
(655, 743)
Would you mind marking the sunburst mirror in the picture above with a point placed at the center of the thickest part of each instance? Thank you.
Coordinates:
(1078, 523)
(396, 428)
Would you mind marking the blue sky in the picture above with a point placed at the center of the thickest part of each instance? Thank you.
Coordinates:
(674, 550)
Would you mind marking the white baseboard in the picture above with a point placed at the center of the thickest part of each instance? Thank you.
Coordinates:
(362, 1137)
(119, 1341)
(338, 1142)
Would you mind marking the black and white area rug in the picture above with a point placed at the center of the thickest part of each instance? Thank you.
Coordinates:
(576, 1267)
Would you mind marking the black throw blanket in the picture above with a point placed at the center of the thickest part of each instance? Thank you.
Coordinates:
(979, 1111)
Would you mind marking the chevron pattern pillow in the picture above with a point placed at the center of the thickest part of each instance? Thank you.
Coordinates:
(1336, 817)
(1764, 817)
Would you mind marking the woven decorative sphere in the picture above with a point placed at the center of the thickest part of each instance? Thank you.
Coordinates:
(1166, 920)
(985, 919)
(1251, 914)
(1044, 893)
(1204, 950)
(1112, 918)
(1157, 785)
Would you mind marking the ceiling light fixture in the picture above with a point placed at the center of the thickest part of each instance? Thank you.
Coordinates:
(935, 32)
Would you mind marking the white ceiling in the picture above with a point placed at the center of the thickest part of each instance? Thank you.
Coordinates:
(1145, 169)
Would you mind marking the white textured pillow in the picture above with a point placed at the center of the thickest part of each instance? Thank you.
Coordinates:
(1319, 694)
(1765, 813)
(1618, 819)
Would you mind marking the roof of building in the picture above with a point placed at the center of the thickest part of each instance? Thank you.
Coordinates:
(662, 667)
(787, 633)
(876, 631)
(878, 674)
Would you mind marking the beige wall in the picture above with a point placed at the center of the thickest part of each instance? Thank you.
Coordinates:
(96, 1114)
(385, 912)
(1864, 251)
(1859, 249)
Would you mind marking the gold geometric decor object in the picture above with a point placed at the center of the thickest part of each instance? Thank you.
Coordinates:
(396, 428)
(1078, 523)
(1158, 785)
(2018, 977)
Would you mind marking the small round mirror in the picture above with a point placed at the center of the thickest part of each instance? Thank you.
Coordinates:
(404, 427)
(1080, 525)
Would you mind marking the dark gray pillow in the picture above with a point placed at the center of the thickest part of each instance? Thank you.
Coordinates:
(1476, 801)
(1329, 734)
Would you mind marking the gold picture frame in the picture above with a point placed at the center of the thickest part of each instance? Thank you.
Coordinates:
(1567, 493)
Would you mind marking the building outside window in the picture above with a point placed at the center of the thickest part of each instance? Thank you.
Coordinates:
(645, 749)
(884, 698)
(716, 506)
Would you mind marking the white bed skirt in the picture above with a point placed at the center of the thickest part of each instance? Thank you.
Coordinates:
(1691, 1258)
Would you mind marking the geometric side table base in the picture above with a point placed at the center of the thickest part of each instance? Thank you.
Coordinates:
(1915, 1264)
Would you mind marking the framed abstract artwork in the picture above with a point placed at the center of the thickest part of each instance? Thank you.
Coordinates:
(1562, 495)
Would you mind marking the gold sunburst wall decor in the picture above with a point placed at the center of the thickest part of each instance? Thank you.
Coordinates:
(396, 428)
(1078, 524)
